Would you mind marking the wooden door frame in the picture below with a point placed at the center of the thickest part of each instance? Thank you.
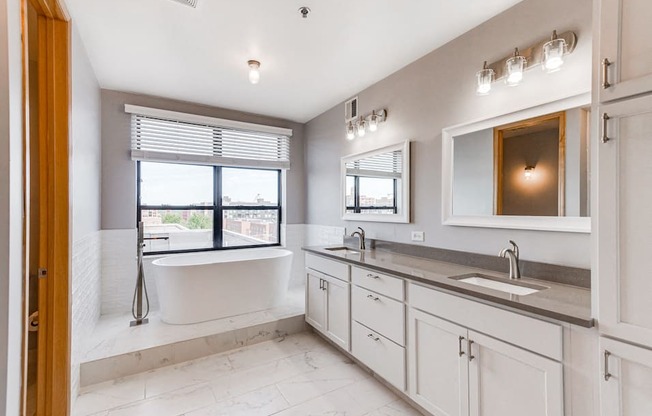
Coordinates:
(54, 104)
(498, 159)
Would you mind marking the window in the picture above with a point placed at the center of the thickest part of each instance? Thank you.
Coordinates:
(193, 208)
(372, 184)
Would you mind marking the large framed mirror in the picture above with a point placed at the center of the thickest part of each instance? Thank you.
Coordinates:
(525, 170)
(376, 185)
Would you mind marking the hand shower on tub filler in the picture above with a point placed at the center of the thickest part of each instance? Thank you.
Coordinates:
(140, 292)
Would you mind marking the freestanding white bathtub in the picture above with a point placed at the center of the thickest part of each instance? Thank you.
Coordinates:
(204, 286)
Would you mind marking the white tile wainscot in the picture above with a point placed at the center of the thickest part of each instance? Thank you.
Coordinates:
(86, 298)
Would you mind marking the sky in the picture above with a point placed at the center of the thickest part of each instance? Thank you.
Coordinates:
(174, 184)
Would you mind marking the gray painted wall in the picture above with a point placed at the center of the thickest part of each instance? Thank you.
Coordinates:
(119, 171)
(11, 207)
(438, 91)
(86, 143)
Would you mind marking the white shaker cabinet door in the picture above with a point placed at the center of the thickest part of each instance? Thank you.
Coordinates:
(508, 381)
(438, 365)
(338, 311)
(624, 212)
(625, 33)
(315, 301)
(626, 379)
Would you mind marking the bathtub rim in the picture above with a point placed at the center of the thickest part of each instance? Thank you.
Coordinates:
(160, 259)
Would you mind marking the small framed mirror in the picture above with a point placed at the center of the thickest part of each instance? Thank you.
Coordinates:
(526, 170)
(376, 185)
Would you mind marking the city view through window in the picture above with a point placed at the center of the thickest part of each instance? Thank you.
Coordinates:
(179, 209)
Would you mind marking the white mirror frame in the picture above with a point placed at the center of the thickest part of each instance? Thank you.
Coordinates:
(403, 215)
(563, 224)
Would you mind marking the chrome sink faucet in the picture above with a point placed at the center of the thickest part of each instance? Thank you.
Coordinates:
(512, 254)
(360, 235)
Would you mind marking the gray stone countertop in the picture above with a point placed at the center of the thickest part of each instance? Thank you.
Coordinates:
(558, 301)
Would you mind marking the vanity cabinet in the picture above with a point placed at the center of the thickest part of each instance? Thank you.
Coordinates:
(625, 34)
(624, 222)
(458, 371)
(626, 379)
(328, 305)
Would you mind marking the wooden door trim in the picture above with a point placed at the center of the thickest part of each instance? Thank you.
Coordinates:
(498, 158)
(54, 103)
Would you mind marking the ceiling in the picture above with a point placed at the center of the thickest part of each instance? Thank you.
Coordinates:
(167, 49)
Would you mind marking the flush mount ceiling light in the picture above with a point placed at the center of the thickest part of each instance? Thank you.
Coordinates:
(529, 171)
(548, 52)
(305, 11)
(366, 123)
(254, 71)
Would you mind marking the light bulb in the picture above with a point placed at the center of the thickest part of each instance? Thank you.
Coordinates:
(484, 79)
(529, 171)
(553, 52)
(350, 131)
(254, 71)
(362, 128)
(515, 67)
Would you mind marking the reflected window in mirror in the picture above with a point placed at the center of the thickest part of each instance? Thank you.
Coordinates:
(374, 185)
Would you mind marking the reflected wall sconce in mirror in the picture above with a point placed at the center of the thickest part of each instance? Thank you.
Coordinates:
(370, 122)
(529, 172)
(549, 53)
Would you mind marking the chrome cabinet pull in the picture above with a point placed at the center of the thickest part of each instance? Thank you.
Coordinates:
(373, 276)
(459, 345)
(321, 284)
(470, 347)
(605, 124)
(373, 337)
(325, 285)
(605, 73)
(372, 297)
(607, 374)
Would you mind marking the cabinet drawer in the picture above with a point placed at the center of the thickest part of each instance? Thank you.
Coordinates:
(329, 267)
(381, 355)
(380, 313)
(542, 337)
(378, 282)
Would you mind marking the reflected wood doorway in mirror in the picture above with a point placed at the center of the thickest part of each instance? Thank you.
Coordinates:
(529, 166)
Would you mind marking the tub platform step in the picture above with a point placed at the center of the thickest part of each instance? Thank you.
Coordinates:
(116, 350)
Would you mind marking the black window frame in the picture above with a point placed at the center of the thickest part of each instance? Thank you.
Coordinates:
(218, 210)
(357, 209)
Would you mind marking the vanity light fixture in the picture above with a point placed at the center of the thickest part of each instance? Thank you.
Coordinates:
(548, 52)
(485, 77)
(529, 171)
(350, 131)
(254, 71)
(366, 123)
(515, 66)
(553, 53)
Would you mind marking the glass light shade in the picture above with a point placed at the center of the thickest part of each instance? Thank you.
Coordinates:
(529, 171)
(373, 122)
(553, 55)
(515, 67)
(254, 72)
(362, 128)
(484, 79)
(350, 132)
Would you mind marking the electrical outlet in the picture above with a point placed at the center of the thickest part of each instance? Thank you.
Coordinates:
(418, 236)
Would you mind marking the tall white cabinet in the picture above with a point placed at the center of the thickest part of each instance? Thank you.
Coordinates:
(624, 206)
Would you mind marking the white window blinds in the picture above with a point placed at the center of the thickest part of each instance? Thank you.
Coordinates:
(165, 136)
(385, 165)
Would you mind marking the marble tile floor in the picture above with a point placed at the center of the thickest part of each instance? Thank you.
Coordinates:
(113, 335)
(116, 350)
(298, 375)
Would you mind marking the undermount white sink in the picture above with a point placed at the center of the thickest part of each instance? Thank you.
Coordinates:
(512, 288)
(344, 249)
